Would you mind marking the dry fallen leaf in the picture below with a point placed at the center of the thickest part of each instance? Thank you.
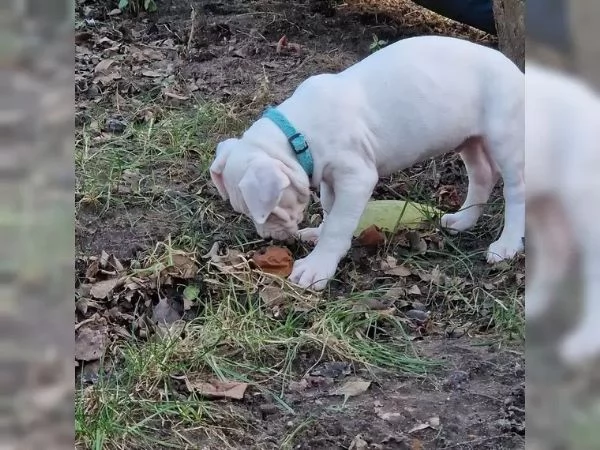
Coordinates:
(358, 443)
(181, 266)
(103, 66)
(448, 195)
(272, 296)
(395, 294)
(91, 339)
(352, 388)
(416, 243)
(387, 415)
(421, 426)
(274, 260)
(433, 422)
(217, 389)
(281, 44)
(151, 74)
(298, 386)
(166, 312)
(398, 271)
(390, 267)
(231, 260)
(416, 444)
(371, 237)
(103, 289)
(414, 290)
(92, 270)
(83, 304)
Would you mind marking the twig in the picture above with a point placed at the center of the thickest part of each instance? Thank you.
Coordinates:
(192, 27)
(478, 441)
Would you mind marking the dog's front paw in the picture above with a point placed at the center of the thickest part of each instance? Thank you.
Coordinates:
(504, 249)
(459, 221)
(310, 235)
(314, 271)
(581, 346)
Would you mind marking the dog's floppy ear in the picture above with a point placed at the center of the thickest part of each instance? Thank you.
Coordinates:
(218, 165)
(262, 187)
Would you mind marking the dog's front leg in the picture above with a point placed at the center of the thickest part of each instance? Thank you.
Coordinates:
(326, 196)
(353, 189)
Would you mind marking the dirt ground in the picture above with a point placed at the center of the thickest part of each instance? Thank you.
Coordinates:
(134, 70)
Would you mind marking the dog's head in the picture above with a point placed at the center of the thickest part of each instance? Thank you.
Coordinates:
(263, 188)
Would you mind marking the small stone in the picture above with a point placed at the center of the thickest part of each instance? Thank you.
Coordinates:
(267, 409)
(418, 315)
(457, 379)
(114, 125)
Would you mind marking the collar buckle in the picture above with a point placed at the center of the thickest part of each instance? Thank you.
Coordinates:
(298, 143)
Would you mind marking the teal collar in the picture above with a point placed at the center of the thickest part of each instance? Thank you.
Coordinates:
(296, 139)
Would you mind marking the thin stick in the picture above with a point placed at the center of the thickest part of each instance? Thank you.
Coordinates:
(192, 27)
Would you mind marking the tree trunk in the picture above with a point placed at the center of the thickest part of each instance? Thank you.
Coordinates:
(510, 25)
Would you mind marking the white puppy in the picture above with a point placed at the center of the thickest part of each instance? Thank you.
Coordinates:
(563, 199)
(412, 100)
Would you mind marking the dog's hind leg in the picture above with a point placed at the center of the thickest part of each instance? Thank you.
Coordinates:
(506, 150)
(483, 176)
(583, 343)
(550, 249)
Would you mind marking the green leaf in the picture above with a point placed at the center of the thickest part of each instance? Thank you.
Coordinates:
(123, 4)
(390, 215)
(150, 5)
(191, 293)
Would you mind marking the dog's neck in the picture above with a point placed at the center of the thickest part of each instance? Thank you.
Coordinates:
(265, 136)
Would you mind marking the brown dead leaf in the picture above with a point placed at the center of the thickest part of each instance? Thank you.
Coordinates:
(448, 196)
(421, 426)
(416, 242)
(398, 271)
(102, 289)
(166, 312)
(416, 444)
(82, 37)
(298, 386)
(388, 263)
(272, 296)
(414, 290)
(225, 259)
(386, 415)
(358, 443)
(281, 44)
(175, 96)
(390, 267)
(376, 304)
(371, 237)
(217, 389)
(83, 304)
(274, 260)
(92, 270)
(181, 266)
(433, 422)
(395, 294)
(103, 66)
(91, 339)
(435, 276)
(151, 74)
(352, 388)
